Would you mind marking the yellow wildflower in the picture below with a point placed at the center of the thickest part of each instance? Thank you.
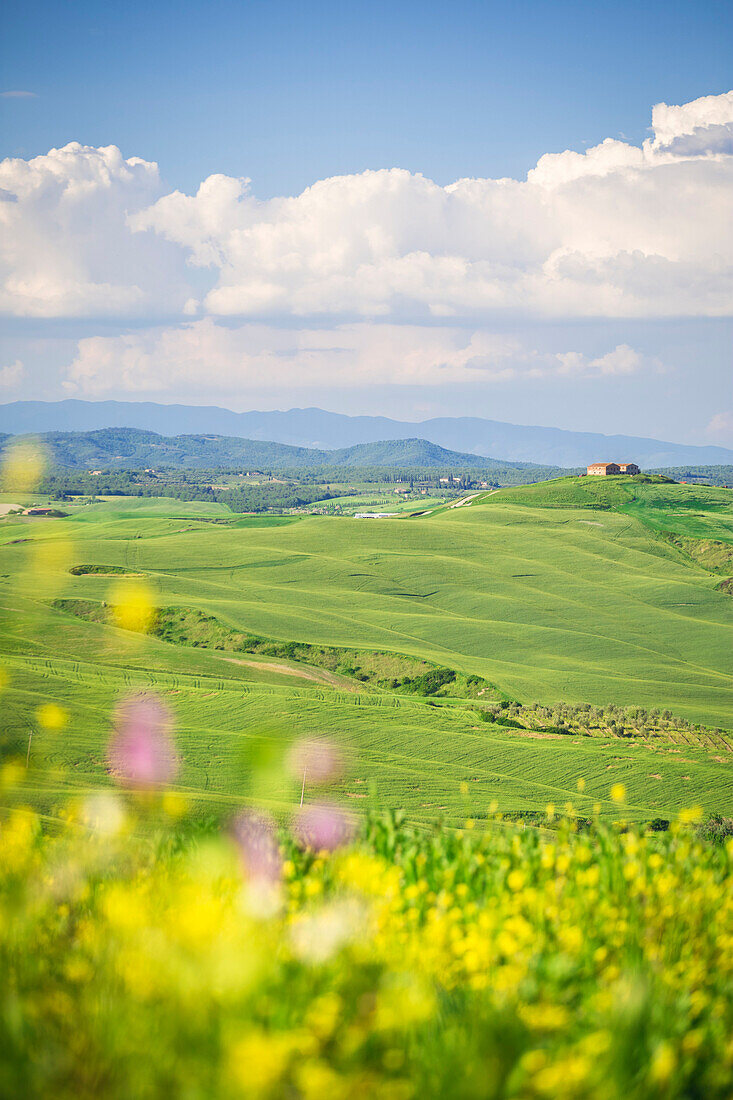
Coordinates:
(50, 716)
(133, 607)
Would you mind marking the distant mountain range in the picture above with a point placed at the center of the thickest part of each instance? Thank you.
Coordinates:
(314, 428)
(133, 448)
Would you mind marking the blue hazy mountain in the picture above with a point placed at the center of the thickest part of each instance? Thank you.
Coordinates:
(317, 428)
(136, 448)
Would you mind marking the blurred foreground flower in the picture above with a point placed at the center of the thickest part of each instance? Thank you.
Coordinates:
(141, 751)
(133, 607)
(51, 716)
(11, 774)
(23, 466)
(175, 805)
(692, 815)
(315, 759)
(104, 813)
(316, 936)
(323, 827)
(254, 835)
(424, 963)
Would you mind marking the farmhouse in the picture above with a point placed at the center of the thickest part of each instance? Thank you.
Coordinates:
(606, 469)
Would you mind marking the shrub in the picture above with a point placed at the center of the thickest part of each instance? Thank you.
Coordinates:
(431, 681)
(717, 828)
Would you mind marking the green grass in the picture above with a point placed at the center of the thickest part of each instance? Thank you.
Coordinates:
(694, 520)
(411, 754)
(549, 604)
(660, 503)
(382, 501)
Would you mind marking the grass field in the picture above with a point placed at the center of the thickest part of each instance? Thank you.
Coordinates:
(380, 502)
(545, 600)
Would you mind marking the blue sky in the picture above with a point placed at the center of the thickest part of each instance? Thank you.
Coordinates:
(596, 293)
(288, 93)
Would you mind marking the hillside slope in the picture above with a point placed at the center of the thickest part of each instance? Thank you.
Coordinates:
(583, 604)
(674, 507)
(551, 604)
(130, 448)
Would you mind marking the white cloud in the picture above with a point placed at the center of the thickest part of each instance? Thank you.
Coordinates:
(617, 231)
(622, 360)
(66, 249)
(705, 124)
(11, 375)
(204, 355)
(721, 427)
(18, 95)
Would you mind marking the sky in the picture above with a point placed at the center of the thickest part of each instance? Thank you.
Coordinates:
(518, 211)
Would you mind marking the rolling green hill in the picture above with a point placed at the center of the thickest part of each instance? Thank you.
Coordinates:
(700, 511)
(569, 591)
(130, 448)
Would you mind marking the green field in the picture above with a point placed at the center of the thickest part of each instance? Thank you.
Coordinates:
(387, 501)
(565, 591)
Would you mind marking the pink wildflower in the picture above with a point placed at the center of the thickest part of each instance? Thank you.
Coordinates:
(254, 835)
(323, 826)
(141, 751)
(317, 758)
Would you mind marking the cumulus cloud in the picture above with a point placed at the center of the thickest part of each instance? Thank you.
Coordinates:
(621, 360)
(721, 427)
(66, 249)
(11, 375)
(206, 355)
(704, 125)
(617, 231)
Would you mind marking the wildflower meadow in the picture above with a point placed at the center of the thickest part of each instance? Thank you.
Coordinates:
(148, 954)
